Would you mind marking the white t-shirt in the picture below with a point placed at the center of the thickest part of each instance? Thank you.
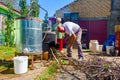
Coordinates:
(71, 28)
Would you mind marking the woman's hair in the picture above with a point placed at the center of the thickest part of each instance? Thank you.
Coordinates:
(59, 19)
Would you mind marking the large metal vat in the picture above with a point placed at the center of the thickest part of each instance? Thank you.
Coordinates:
(28, 35)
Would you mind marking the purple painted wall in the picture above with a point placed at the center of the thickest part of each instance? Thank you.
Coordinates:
(96, 30)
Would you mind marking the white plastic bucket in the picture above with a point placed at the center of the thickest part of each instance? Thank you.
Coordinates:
(108, 49)
(100, 48)
(20, 64)
(94, 45)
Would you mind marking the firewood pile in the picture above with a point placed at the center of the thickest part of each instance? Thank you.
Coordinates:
(97, 68)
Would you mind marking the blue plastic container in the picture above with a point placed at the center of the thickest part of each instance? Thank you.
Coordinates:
(111, 37)
(109, 42)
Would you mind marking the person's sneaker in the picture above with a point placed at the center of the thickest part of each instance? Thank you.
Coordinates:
(80, 59)
(62, 51)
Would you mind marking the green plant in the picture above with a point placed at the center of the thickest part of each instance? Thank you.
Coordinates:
(1, 37)
(6, 55)
(24, 9)
(7, 52)
(49, 72)
(64, 62)
(9, 30)
(34, 8)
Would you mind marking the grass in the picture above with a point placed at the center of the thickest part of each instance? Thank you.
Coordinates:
(6, 55)
(7, 52)
(6, 65)
(48, 73)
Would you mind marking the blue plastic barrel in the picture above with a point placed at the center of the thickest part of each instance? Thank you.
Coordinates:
(28, 35)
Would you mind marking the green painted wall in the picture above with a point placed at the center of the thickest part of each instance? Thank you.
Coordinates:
(4, 10)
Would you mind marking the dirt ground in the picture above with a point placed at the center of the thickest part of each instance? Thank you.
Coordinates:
(29, 75)
(39, 68)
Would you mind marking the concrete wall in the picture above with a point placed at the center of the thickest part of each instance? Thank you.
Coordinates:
(115, 16)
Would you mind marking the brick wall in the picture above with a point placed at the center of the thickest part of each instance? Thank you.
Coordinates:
(87, 8)
(60, 12)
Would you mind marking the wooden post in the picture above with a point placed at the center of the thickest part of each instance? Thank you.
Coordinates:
(32, 61)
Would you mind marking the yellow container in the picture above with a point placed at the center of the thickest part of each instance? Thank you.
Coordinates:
(45, 55)
(117, 28)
